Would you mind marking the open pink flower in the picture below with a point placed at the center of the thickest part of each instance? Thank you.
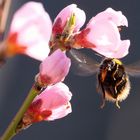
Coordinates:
(65, 14)
(54, 68)
(30, 31)
(102, 35)
(66, 24)
(53, 103)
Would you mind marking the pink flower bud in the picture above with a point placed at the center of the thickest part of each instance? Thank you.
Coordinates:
(53, 103)
(54, 68)
(64, 15)
(30, 31)
(102, 34)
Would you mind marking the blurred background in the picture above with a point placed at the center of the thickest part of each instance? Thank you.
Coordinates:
(87, 121)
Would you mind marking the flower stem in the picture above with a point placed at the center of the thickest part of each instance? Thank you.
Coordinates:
(11, 130)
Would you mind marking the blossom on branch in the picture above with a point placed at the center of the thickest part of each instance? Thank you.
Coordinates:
(53, 103)
(102, 34)
(54, 68)
(65, 14)
(67, 23)
(30, 31)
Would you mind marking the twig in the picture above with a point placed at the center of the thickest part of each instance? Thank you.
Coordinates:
(11, 130)
(4, 11)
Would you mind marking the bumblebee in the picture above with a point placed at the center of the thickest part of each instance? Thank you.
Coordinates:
(113, 81)
(112, 75)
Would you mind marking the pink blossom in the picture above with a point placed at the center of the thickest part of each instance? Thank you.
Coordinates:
(53, 103)
(54, 68)
(30, 31)
(65, 14)
(102, 35)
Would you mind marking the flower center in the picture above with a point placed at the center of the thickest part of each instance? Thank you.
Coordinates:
(63, 40)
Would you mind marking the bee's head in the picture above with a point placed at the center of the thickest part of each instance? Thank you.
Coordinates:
(110, 63)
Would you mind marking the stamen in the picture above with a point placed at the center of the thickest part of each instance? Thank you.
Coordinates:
(69, 27)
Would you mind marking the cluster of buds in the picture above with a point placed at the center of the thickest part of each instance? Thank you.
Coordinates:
(54, 101)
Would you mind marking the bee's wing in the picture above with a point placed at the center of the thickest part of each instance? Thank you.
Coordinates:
(82, 65)
(133, 69)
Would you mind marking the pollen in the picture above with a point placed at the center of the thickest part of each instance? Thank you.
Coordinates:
(117, 61)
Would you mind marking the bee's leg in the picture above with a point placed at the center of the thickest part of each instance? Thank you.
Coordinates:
(98, 83)
(103, 96)
(117, 104)
(101, 88)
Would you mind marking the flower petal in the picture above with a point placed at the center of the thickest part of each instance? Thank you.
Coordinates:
(60, 112)
(33, 27)
(111, 15)
(56, 99)
(104, 35)
(123, 50)
(54, 68)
